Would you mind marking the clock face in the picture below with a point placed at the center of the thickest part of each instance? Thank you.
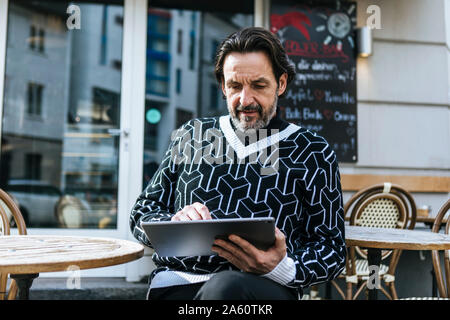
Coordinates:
(339, 25)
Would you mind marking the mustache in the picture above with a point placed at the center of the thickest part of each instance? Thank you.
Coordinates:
(251, 108)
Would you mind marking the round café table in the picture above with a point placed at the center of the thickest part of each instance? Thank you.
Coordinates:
(377, 239)
(25, 256)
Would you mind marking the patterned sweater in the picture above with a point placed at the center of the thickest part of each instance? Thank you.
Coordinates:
(208, 162)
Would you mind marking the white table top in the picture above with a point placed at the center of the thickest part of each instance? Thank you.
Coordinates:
(25, 254)
(385, 238)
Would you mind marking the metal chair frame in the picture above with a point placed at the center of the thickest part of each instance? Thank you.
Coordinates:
(355, 207)
(443, 285)
(443, 282)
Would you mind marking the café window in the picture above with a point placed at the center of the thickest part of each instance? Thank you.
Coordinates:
(33, 164)
(60, 120)
(180, 42)
(34, 95)
(192, 50)
(37, 39)
(180, 81)
(214, 45)
(214, 96)
(158, 42)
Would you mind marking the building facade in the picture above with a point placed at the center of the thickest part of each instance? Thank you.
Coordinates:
(91, 92)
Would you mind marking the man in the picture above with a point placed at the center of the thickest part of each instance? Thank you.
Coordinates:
(302, 193)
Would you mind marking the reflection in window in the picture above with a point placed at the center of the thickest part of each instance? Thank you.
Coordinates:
(178, 80)
(158, 40)
(188, 87)
(105, 106)
(103, 51)
(152, 118)
(180, 42)
(32, 40)
(151, 125)
(41, 40)
(37, 39)
(214, 45)
(183, 116)
(192, 50)
(60, 147)
(33, 166)
(214, 97)
(34, 94)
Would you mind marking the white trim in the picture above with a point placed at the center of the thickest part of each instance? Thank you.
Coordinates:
(387, 187)
(3, 44)
(126, 104)
(244, 151)
(133, 105)
(284, 272)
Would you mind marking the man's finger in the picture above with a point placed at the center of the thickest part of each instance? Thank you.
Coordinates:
(191, 213)
(202, 210)
(232, 249)
(176, 217)
(183, 217)
(230, 253)
(223, 253)
(280, 238)
(246, 246)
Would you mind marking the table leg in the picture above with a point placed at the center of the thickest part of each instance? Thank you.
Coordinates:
(24, 282)
(328, 290)
(433, 284)
(374, 259)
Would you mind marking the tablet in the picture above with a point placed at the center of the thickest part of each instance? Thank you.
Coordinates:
(196, 237)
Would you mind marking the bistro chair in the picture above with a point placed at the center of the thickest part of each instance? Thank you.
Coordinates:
(441, 270)
(9, 213)
(381, 206)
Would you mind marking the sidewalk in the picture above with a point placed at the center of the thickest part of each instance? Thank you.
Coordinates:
(90, 289)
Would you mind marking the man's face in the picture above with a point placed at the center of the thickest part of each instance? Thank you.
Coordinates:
(251, 89)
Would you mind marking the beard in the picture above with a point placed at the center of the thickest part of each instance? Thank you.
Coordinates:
(247, 123)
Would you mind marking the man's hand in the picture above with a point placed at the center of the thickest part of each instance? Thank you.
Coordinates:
(247, 257)
(195, 211)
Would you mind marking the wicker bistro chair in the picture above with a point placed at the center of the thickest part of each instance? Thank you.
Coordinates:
(441, 270)
(383, 206)
(9, 212)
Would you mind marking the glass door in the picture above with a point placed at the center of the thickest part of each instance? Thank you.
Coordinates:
(61, 119)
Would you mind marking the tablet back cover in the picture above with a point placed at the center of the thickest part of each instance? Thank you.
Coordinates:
(195, 238)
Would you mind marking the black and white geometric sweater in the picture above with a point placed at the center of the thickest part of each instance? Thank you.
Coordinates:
(207, 162)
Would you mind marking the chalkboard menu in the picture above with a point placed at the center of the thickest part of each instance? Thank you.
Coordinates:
(320, 42)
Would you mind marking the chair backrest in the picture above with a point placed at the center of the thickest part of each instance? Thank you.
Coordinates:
(9, 212)
(383, 210)
(443, 283)
(406, 197)
(12, 212)
(4, 220)
(383, 205)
